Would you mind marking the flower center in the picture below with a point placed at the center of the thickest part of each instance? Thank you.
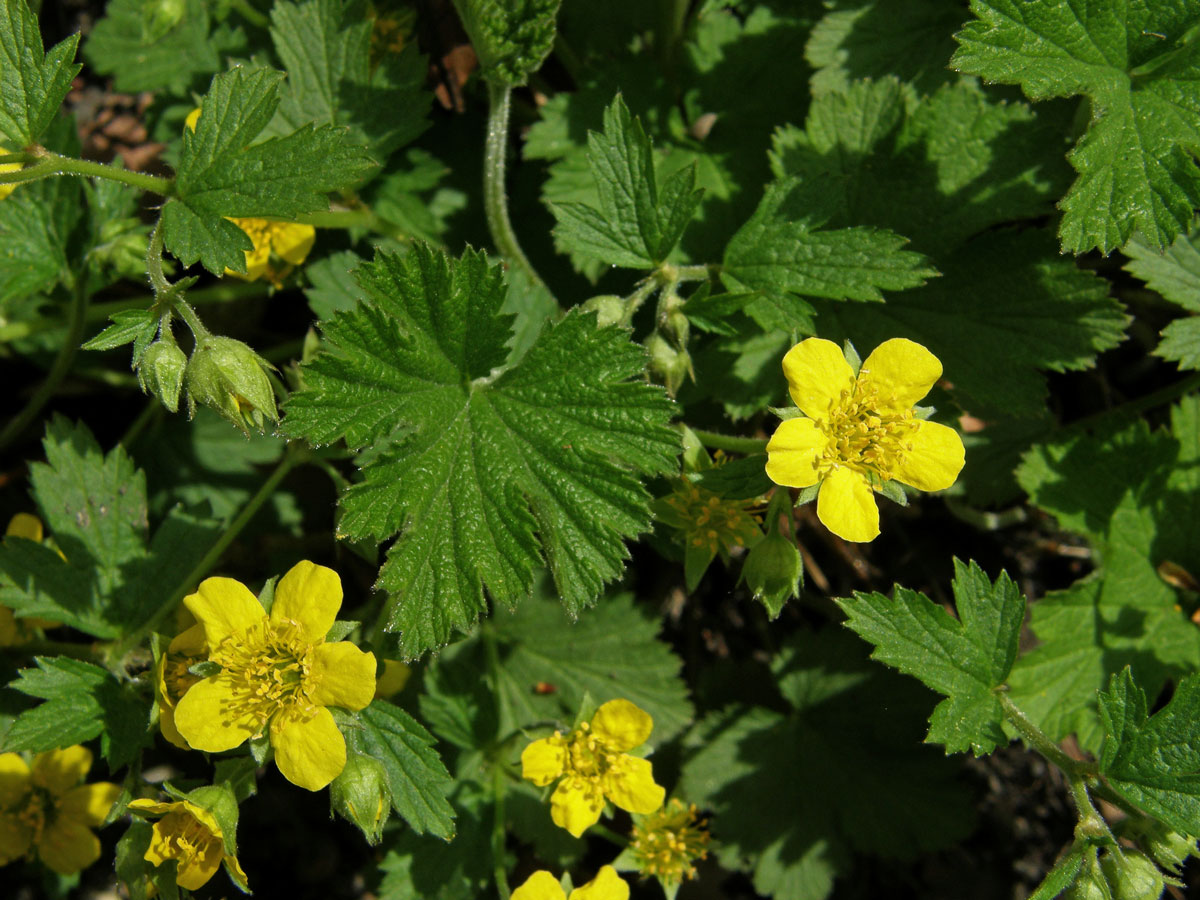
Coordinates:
(35, 811)
(187, 837)
(863, 436)
(267, 665)
(176, 677)
(667, 842)
(587, 756)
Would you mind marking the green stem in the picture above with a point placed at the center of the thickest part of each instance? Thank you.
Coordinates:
(53, 164)
(250, 14)
(635, 300)
(694, 273)
(154, 265)
(361, 217)
(729, 443)
(1037, 739)
(190, 318)
(292, 456)
(609, 835)
(76, 318)
(1137, 405)
(495, 197)
(499, 872)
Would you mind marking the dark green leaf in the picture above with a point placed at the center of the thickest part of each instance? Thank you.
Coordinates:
(32, 83)
(141, 57)
(510, 37)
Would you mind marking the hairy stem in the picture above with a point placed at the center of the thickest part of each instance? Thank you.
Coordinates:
(729, 443)
(495, 197)
(1036, 738)
(76, 318)
(50, 163)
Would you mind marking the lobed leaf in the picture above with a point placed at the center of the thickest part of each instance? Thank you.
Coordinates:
(511, 37)
(33, 83)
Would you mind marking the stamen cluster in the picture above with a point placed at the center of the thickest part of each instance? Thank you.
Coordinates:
(667, 843)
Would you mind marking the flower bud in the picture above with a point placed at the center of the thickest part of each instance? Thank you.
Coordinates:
(361, 795)
(1169, 848)
(160, 372)
(1132, 875)
(772, 570)
(678, 325)
(669, 364)
(231, 378)
(1089, 883)
(609, 309)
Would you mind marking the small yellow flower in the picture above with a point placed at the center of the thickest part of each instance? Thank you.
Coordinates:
(593, 765)
(666, 843)
(172, 678)
(289, 241)
(47, 811)
(860, 432)
(191, 835)
(277, 673)
(541, 885)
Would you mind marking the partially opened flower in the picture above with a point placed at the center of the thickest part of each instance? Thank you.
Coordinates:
(46, 811)
(861, 432)
(593, 765)
(286, 241)
(541, 885)
(277, 673)
(190, 834)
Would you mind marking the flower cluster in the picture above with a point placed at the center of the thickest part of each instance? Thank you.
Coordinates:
(592, 764)
(46, 810)
(667, 843)
(860, 431)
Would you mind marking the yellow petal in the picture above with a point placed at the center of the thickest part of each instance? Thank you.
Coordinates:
(209, 717)
(311, 596)
(60, 770)
(342, 675)
(576, 805)
(90, 803)
(395, 676)
(607, 885)
(223, 607)
(196, 868)
(902, 371)
(846, 505)
(541, 885)
(67, 846)
(622, 725)
(817, 374)
(190, 641)
(310, 752)
(25, 526)
(15, 837)
(292, 241)
(192, 118)
(934, 460)
(150, 807)
(793, 451)
(544, 760)
(14, 779)
(629, 783)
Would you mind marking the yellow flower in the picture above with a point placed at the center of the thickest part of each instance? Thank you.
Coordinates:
(541, 885)
(172, 678)
(666, 843)
(44, 809)
(861, 432)
(290, 241)
(277, 673)
(191, 835)
(593, 765)
(6, 189)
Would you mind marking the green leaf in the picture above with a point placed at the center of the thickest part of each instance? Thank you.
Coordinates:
(32, 83)
(786, 258)
(1174, 273)
(510, 37)
(83, 701)
(325, 47)
(966, 659)
(1006, 303)
(222, 173)
(1138, 65)
(857, 778)
(418, 781)
(143, 56)
(482, 473)
(136, 326)
(636, 224)
(1062, 876)
(1153, 761)
(332, 288)
(1181, 343)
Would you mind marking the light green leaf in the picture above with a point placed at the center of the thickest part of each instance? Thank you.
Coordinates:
(1138, 64)
(325, 47)
(1174, 273)
(482, 473)
(141, 55)
(136, 326)
(1181, 343)
(83, 701)
(510, 37)
(418, 781)
(966, 659)
(1153, 761)
(637, 224)
(33, 83)
(222, 173)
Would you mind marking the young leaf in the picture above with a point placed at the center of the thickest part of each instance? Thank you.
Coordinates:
(146, 55)
(136, 326)
(1137, 64)
(416, 777)
(966, 659)
(637, 224)
(1152, 761)
(325, 46)
(32, 83)
(510, 37)
(483, 474)
(222, 173)
(83, 701)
